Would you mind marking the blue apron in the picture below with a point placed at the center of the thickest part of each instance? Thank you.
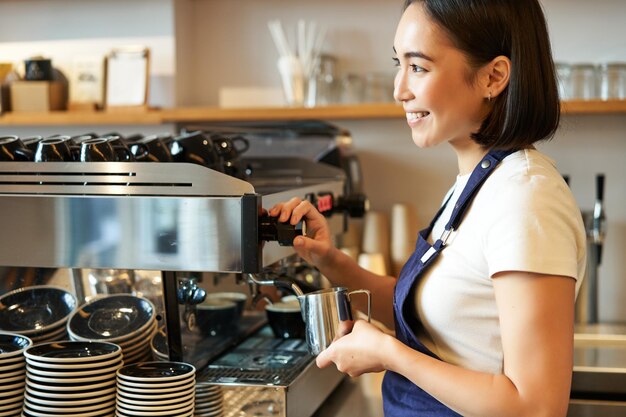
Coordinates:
(401, 397)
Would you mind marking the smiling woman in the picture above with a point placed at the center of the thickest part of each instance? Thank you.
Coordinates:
(485, 326)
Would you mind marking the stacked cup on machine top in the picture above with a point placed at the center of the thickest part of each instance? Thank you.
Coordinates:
(156, 389)
(126, 320)
(12, 373)
(71, 378)
(38, 312)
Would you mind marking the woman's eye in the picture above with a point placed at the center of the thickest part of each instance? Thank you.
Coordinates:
(416, 68)
(396, 62)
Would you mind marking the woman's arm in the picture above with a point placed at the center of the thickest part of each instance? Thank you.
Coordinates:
(537, 324)
(318, 249)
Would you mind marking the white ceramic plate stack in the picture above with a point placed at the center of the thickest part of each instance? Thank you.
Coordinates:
(38, 312)
(12, 373)
(123, 319)
(156, 389)
(209, 400)
(71, 379)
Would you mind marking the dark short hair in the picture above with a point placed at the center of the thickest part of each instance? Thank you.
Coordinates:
(528, 110)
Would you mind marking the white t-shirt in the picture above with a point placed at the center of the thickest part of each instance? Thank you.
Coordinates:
(524, 218)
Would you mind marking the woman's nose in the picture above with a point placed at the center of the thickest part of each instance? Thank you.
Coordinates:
(401, 91)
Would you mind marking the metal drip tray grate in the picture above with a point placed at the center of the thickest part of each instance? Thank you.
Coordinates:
(260, 359)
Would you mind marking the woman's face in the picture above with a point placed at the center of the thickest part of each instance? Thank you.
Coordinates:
(440, 101)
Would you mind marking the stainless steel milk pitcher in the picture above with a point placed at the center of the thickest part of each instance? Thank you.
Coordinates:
(324, 312)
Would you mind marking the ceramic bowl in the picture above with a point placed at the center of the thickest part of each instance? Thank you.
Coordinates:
(73, 352)
(12, 345)
(156, 371)
(111, 318)
(34, 310)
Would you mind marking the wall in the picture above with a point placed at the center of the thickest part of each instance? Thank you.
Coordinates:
(65, 29)
(227, 43)
(360, 34)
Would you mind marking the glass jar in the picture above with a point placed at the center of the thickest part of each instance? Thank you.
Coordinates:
(352, 89)
(613, 81)
(584, 82)
(564, 78)
(322, 89)
(378, 87)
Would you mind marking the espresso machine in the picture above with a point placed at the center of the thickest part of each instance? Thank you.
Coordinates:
(176, 224)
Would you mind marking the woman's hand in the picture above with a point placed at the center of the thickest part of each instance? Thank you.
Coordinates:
(361, 351)
(317, 245)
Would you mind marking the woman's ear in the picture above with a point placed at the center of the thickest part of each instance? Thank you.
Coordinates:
(496, 76)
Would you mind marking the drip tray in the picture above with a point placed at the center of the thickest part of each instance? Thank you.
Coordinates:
(260, 359)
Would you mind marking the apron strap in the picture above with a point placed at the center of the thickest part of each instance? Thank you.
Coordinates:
(482, 171)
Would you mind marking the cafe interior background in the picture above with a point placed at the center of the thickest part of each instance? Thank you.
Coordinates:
(202, 49)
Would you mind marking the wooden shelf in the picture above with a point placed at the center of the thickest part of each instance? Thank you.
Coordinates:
(215, 114)
(594, 107)
(150, 117)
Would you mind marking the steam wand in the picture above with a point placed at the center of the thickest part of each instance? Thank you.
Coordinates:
(276, 283)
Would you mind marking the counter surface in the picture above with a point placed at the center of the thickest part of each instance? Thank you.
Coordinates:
(355, 397)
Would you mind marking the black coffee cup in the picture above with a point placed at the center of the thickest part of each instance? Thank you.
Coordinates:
(85, 136)
(197, 148)
(55, 149)
(31, 142)
(96, 150)
(215, 317)
(122, 152)
(13, 149)
(285, 319)
(238, 298)
(153, 147)
(230, 149)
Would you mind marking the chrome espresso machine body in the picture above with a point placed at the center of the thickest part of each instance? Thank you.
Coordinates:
(180, 220)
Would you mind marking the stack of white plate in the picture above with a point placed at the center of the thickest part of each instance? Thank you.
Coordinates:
(209, 400)
(38, 312)
(123, 319)
(156, 389)
(71, 379)
(12, 373)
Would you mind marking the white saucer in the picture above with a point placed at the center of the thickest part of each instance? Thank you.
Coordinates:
(70, 396)
(162, 407)
(72, 381)
(96, 413)
(70, 407)
(152, 413)
(175, 400)
(71, 374)
(74, 366)
(134, 390)
(152, 397)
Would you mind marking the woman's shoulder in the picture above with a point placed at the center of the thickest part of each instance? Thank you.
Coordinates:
(527, 169)
(528, 180)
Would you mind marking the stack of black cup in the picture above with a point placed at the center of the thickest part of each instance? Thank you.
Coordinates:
(214, 151)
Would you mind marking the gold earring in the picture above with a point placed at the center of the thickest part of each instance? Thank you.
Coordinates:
(489, 98)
